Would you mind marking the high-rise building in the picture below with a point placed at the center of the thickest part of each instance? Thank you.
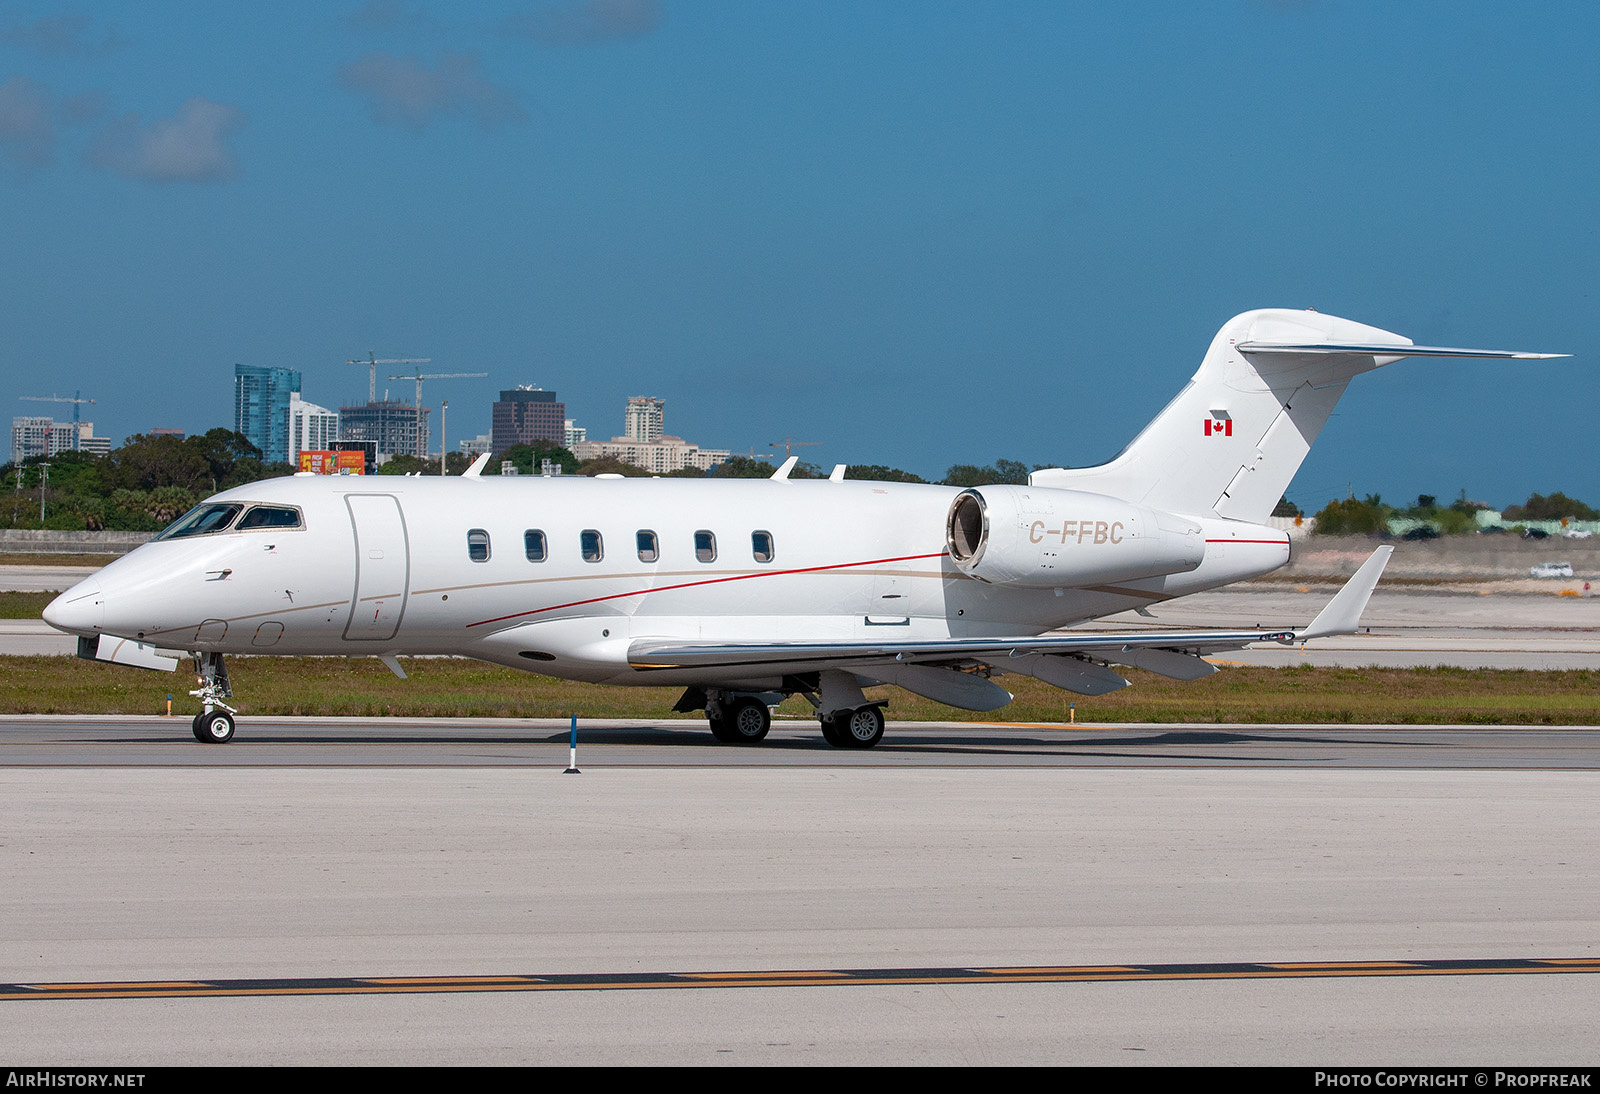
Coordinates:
(646, 446)
(574, 434)
(88, 442)
(642, 421)
(36, 435)
(261, 408)
(525, 415)
(392, 424)
(312, 428)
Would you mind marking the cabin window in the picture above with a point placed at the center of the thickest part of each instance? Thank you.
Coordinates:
(533, 545)
(202, 520)
(649, 549)
(593, 548)
(705, 546)
(761, 546)
(478, 545)
(270, 516)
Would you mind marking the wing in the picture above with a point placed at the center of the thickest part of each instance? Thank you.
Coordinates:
(1074, 661)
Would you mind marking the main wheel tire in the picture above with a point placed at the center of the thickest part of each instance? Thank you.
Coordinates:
(831, 734)
(749, 721)
(862, 727)
(722, 729)
(215, 728)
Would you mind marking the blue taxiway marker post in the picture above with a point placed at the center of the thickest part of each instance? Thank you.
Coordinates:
(572, 764)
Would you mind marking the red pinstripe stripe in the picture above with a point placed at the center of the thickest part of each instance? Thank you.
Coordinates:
(708, 581)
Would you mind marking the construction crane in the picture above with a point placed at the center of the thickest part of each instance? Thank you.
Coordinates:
(372, 364)
(76, 404)
(789, 442)
(419, 376)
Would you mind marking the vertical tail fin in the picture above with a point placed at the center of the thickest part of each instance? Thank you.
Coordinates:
(1236, 434)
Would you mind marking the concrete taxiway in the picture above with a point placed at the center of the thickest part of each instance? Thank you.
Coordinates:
(1388, 886)
(791, 883)
(149, 875)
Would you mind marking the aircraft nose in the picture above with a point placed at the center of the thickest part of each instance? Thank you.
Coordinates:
(79, 610)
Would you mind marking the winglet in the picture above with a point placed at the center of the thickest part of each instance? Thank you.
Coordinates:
(477, 466)
(1343, 613)
(782, 473)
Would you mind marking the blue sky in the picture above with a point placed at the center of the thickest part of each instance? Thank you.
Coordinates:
(920, 233)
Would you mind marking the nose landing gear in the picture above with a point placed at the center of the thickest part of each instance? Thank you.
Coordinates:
(214, 725)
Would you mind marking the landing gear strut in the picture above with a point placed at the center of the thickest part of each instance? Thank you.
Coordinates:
(214, 724)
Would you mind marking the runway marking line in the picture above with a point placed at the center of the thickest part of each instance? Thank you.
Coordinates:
(1019, 974)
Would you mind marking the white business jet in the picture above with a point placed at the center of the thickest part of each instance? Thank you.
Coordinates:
(745, 592)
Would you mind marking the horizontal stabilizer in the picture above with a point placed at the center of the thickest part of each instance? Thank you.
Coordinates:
(1343, 613)
(1383, 349)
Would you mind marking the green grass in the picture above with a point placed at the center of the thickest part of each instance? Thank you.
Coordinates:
(23, 605)
(9, 559)
(459, 688)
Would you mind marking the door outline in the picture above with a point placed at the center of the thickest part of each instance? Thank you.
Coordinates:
(385, 531)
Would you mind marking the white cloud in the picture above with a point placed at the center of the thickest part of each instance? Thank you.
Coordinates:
(582, 22)
(189, 147)
(66, 35)
(403, 91)
(389, 15)
(27, 131)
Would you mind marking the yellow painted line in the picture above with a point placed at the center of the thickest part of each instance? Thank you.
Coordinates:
(402, 981)
(129, 985)
(1008, 974)
(1306, 965)
(824, 974)
(1057, 970)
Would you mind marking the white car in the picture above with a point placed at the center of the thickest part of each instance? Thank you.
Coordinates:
(1551, 569)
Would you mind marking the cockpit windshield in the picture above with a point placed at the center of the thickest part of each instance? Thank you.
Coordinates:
(202, 520)
(270, 516)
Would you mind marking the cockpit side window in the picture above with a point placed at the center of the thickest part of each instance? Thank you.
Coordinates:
(270, 516)
(202, 520)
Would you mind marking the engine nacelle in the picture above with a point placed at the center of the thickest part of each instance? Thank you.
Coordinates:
(1037, 536)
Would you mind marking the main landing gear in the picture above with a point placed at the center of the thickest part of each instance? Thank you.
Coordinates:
(214, 724)
(746, 717)
(741, 720)
(858, 728)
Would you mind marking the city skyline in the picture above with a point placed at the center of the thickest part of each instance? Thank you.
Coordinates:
(917, 235)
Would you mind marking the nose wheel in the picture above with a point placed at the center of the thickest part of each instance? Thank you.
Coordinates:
(215, 728)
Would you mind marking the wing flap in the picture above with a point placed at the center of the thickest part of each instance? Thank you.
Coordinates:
(1068, 657)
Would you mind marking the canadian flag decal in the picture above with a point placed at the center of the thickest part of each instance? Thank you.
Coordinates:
(1219, 425)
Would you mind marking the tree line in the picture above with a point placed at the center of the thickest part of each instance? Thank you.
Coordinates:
(155, 478)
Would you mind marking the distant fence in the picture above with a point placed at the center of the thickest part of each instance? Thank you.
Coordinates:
(1468, 556)
(26, 541)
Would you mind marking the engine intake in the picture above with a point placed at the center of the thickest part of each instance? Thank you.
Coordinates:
(1036, 536)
